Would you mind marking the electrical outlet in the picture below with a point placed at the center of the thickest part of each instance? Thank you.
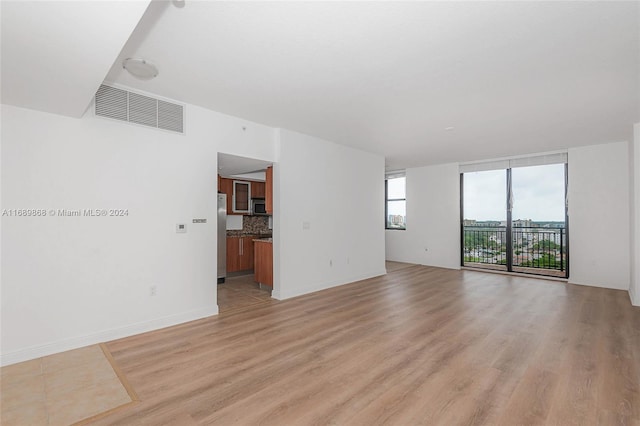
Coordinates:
(153, 290)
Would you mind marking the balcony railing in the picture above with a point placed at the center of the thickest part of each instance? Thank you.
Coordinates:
(538, 250)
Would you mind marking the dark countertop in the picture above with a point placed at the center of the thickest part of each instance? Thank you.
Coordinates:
(239, 233)
(263, 240)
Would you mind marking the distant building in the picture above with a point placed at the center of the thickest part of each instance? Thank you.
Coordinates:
(488, 223)
(522, 223)
(397, 220)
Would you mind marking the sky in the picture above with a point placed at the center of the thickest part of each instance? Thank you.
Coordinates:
(396, 189)
(538, 194)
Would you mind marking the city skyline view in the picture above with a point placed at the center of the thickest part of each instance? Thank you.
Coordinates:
(396, 210)
(535, 239)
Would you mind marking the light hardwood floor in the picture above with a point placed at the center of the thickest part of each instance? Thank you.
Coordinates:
(420, 345)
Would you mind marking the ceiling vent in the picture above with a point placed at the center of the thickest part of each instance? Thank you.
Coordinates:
(123, 105)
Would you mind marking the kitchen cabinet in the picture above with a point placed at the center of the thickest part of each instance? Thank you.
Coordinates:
(239, 194)
(233, 254)
(269, 190)
(240, 253)
(263, 263)
(241, 197)
(257, 189)
(246, 262)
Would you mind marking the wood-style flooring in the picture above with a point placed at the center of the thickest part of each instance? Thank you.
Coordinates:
(420, 345)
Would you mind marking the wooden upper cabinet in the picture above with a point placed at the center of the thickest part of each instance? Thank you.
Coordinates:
(269, 190)
(257, 189)
(241, 197)
(239, 194)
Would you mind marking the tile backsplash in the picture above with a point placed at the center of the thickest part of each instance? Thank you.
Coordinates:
(258, 225)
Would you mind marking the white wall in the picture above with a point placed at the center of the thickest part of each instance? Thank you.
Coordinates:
(599, 215)
(432, 236)
(634, 287)
(337, 191)
(72, 281)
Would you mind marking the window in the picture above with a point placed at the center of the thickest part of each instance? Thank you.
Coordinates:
(395, 203)
(514, 215)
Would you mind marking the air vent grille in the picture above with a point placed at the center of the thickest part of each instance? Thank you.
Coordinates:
(123, 105)
(143, 110)
(111, 102)
(170, 116)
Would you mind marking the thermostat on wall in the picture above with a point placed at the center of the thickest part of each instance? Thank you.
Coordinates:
(181, 228)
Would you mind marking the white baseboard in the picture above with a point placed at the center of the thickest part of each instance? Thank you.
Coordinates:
(635, 301)
(325, 285)
(104, 336)
(599, 285)
(454, 267)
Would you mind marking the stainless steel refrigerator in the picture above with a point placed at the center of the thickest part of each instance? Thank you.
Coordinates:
(222, 237)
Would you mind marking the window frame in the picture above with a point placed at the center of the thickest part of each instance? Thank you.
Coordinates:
(386, 203)
(508, 168)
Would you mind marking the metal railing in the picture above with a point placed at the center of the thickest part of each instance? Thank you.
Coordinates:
(487, 245)
(539, 248)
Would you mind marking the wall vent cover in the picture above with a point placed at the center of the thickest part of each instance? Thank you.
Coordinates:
(123, 105)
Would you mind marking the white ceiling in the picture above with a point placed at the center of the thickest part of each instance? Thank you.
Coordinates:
(388, 77)
(55, 54)
(232, 165)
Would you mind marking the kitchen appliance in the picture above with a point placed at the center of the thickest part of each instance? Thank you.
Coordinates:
(222, 237)
(258, 207)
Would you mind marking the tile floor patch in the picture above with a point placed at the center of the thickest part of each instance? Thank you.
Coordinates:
(60, 389)
(241, 292)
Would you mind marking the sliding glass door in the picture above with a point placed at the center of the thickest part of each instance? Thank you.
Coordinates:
(485, 219)
(539, 220)
(515, 219)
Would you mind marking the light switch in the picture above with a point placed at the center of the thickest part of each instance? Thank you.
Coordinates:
(306, 225)
(181, 228)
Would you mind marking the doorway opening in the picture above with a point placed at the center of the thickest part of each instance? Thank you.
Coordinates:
(245, 231)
